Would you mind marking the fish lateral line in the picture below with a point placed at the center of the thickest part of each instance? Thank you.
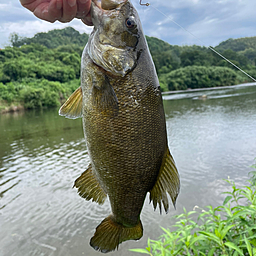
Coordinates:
(209, 47)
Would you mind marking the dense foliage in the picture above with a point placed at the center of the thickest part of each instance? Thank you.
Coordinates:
(192, 77)
(36, 61)
(52, 39)
(228, 229)
(173, 61)
(238, 45)
(34, 93)
(35, 64)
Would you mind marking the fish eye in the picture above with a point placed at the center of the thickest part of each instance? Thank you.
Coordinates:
(130, 23)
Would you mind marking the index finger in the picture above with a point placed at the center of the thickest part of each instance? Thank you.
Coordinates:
(83, 8)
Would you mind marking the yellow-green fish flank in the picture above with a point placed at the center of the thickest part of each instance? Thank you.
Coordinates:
(124, 124)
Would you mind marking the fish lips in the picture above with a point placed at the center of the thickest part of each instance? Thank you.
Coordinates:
(100, 8)
(112, 54)
(108, 4)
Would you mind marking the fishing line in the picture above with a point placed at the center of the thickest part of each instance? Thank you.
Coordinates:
(209, 47)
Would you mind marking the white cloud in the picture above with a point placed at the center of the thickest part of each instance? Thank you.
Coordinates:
(212, 21)
(3, 6)
(175, 4)
(16, 19)
(30, 28)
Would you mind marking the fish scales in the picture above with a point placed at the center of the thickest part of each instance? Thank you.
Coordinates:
(124, 124)
(131, 144)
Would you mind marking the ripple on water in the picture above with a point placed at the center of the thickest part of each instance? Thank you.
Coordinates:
(36, 190)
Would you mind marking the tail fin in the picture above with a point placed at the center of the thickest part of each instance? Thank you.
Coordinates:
(109, 234)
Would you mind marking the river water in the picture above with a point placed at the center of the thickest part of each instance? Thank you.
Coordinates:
(41, 154)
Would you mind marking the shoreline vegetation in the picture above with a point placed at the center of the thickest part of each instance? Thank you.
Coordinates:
(42, 71)
(17, 107)
(228, 229)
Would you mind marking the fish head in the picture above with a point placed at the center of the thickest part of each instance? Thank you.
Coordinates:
(114, 43)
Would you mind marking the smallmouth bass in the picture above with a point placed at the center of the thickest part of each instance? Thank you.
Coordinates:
(124, 124)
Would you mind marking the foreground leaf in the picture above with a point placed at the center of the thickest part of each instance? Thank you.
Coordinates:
(233, 246)
(140, 251)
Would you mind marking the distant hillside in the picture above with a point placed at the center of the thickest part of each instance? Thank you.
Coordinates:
(53, 38)
(238, 45)
(245, 46)
(166, 57)
(44, 70)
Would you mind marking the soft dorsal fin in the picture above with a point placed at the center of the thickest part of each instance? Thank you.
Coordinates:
(72, 108)
(167, 181)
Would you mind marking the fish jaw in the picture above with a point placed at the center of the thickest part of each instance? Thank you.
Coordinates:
(102, 10)
(112, 45)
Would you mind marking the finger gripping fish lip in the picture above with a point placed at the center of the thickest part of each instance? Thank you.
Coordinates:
(108, 5)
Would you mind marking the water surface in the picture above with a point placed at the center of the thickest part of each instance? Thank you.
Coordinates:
(41, 154)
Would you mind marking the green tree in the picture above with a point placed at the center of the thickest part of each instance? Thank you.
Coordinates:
(193, 77)
(53, 38)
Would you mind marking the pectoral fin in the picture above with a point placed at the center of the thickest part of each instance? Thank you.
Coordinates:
(89, 187)
(72, 108)
(167, 181)
(104, 97)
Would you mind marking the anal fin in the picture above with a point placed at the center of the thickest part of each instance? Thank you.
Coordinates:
(72, 108)
(167, 182)
(89, 188)
(109, 234)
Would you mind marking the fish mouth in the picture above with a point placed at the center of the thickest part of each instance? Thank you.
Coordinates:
(104, 8)
(108, 4)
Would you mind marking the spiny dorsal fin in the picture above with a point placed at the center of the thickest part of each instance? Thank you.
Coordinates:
(89, 187)
(72, 108)
(109, 234)
(167, 181)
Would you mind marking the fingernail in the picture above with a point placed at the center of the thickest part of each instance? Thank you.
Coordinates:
(72, 3)
(59, 4)
(83, 1)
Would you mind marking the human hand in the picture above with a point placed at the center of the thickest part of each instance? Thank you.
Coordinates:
(61, 10)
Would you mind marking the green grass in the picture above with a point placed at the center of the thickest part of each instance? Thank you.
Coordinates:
(229, 229)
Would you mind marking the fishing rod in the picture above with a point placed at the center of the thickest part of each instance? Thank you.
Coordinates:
(209, 47)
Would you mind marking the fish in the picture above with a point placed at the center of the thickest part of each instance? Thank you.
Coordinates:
(124, 124)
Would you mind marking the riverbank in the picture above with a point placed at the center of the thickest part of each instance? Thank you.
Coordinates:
(6, 107)
(209, 89)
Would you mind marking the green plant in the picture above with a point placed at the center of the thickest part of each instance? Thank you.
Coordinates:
(229, 229)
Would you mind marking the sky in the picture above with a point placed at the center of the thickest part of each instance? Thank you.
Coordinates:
(210, 21)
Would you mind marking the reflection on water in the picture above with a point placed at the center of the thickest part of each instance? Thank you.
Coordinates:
(41, 154)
